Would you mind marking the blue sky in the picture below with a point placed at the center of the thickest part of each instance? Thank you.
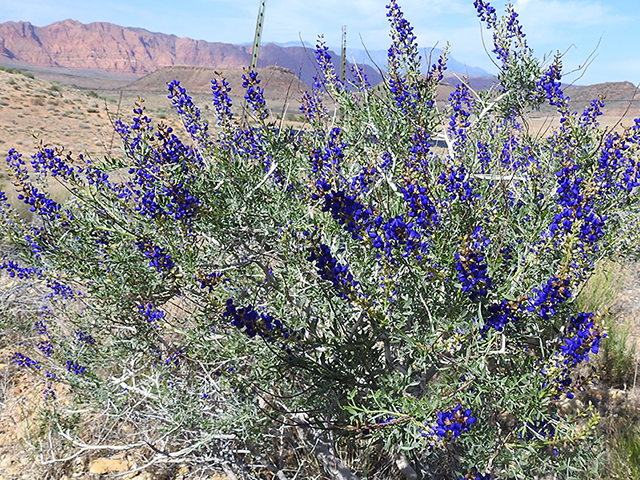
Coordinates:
(575, 26)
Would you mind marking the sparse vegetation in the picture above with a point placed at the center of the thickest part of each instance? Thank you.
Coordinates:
(617, 362)
(623, 447)
(17, 71)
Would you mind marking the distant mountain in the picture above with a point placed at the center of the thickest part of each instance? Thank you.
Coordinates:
(134, 52)
(378, 59)
(102, 48)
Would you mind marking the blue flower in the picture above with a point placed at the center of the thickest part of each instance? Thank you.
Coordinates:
(261, 324)
(330, 269)
(451, 424)
(25, 361)
(581, 337)
(474, 475)
(221, 101)
(159, 259)
(189, 113)
(472, 268)
(255, 94)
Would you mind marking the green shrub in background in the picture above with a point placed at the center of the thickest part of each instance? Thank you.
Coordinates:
(399, 278)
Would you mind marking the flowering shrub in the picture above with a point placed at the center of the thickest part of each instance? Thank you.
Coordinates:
(395, 291)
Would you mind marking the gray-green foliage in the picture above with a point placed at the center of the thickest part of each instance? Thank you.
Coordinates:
(413, 295)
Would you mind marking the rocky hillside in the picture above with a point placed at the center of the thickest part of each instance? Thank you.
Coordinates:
(134, 52)
(278, 82)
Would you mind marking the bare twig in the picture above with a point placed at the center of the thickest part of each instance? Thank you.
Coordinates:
(320, 448)
(405, 467)
(270, 466)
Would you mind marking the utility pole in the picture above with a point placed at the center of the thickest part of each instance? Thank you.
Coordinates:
(256, 40)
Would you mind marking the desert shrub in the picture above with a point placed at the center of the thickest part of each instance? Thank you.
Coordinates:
(17, 71)
(624, 450)
(617, 361)
(348, 282)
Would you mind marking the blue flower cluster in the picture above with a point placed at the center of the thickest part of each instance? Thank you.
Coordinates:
(150, 313)
(255, 95)
(484, 156)
(538, 429)
(97, 177)
(325, 65)
(45, 347)
(507, 154)
(486, 13)
(35, 241)
(83, 337)
(418, 160)
(327, 163)
(15, 162)
(39, 202)
(558, 373)
(154, 189)
(462, 104)
(14, 270)
(330, 269)
(75, 368)
(420, 207)
(133, 135)
(406, 230)
(570, 197)
(451, 424)
(25, 361)
(210, 280)
(471, 266)
(189, 113)
(181, 203)
(574, 207)
(49, 392)
(458, 183)
(546, 298)
(222, 101)
(436, 71)
(362, 82)
(311, 103)
(617, 171)
(158, 258)
(399, 231)
(41, 326)
(474, 475)
(250, 143)
(46, 160)
(582, 335)
(178, 201)
(404, 47)
(344, 208)
(361, 183)
(260, 324)
(500, 314)
(403, 55)
(590, 114)
(550, 87)
(505, 34)
(58, 288)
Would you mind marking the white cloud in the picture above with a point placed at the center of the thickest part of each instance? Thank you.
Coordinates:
(572, 14)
